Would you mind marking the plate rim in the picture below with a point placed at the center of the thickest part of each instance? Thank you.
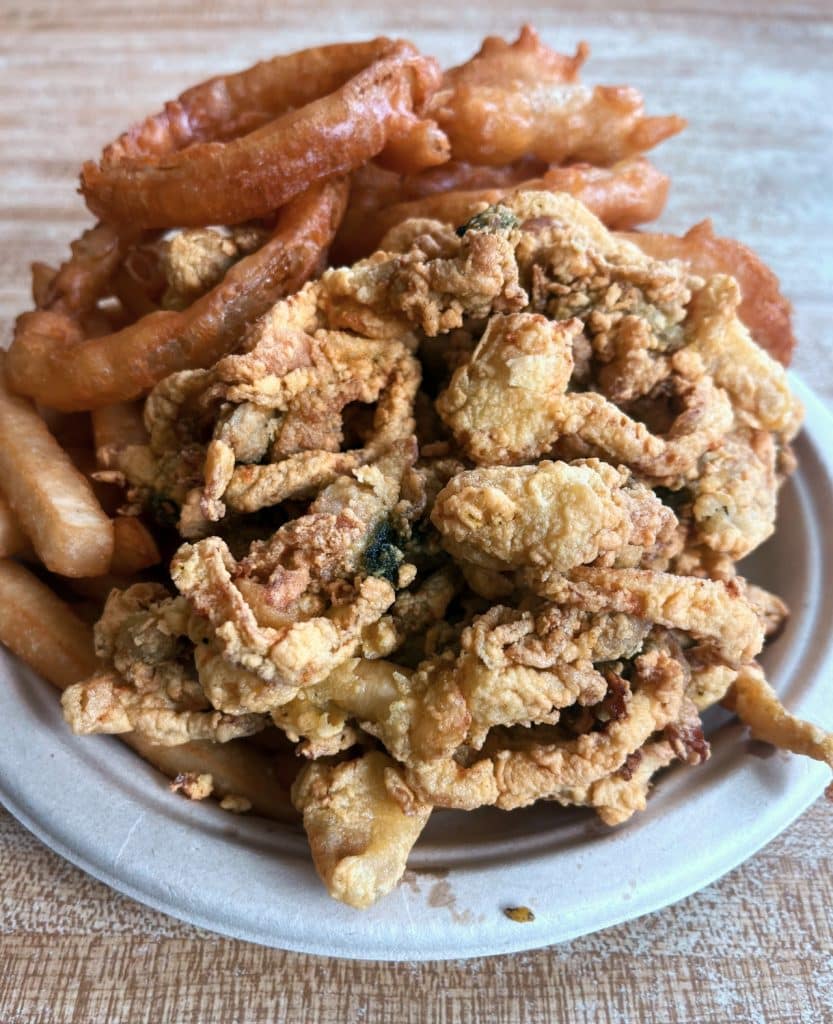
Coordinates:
(806, 781)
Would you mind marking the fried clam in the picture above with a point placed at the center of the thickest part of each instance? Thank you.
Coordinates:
(530, 357)
(194, 260)
(714, 612)
(148, 683)
(171, 270)
(298, 604)
(270, 423)
(522, 99)
(734, 496)
(182, 177)
(362, 820)
(756, 382)
(757, 705)
(553, 515)
(763, 308)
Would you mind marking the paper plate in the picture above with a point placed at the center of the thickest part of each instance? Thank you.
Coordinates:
(95, 803)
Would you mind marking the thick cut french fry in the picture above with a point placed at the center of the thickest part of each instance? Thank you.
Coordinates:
(12, 538)
(236, 768)
(45, 633)
(53, 502)
(41, 629)
(134, 548)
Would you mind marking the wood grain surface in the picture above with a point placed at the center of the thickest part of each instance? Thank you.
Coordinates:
(755, 79)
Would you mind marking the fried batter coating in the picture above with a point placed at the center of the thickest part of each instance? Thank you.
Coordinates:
(519, 769)
(548, 624)
(501, 405)
(193, 785)
(734, 495)
(709, 681)
(194, 261)
(362, 820)
(756, 382)
(771, 610)
(153, 687)
(531, 358)
(556, 515)
(522, 99)
(713, 611)
(413, 615)
(433, 294)
(297, 605)
(756, 703)
(103, 704)
(619, 795)
(295, 651)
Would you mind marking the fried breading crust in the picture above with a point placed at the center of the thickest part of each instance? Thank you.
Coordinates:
(475, 501)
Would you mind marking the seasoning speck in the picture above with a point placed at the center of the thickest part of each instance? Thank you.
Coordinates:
(522, 915)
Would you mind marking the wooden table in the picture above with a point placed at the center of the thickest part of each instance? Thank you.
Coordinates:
(755, 79)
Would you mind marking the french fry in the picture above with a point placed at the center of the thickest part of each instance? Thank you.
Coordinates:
(45, 633)
(12, 538)
(134, 548)
(41, 629)
(237, 768)
(53, 502)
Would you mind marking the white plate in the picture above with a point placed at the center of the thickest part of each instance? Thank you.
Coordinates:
(99, 806)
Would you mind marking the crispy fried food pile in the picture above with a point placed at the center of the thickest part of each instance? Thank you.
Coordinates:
(507, 471)
(450, 478)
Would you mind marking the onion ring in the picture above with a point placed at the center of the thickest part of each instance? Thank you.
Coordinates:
(330, 135)
(227, 106)
(631, 192)
(51, 361)
(372, 188)
(79, 282)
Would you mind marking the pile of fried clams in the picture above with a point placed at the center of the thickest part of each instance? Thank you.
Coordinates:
(462, 521)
